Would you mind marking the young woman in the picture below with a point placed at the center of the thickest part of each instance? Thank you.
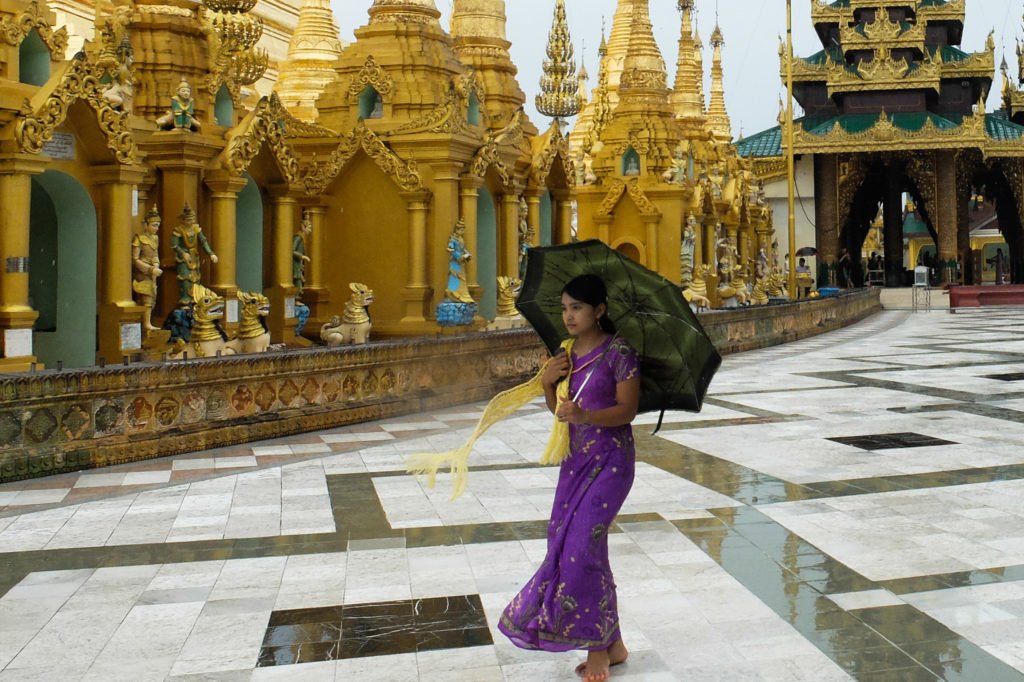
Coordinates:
(570, 602)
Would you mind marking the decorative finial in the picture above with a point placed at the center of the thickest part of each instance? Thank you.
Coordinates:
(559, 88)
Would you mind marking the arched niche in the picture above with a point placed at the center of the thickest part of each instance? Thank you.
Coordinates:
(630, 250)
(630, 163)
(62, 272)
(487, 252)
(371, 103)
(473, 112)
(224, 108)
(33, 60)
(546, 236)
(249, 220)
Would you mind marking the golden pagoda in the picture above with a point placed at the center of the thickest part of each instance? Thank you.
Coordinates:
(312, 53)
(717, 116)
(667, 187)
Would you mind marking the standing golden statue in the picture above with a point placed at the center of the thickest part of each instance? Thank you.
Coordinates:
(299, 257)
(146, 264)
(186, 241)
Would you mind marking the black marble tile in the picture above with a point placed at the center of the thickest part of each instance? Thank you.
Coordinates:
(1014, 376)
(382, 629)
(891, 441)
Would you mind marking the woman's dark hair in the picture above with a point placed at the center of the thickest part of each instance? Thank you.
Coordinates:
(591, 290)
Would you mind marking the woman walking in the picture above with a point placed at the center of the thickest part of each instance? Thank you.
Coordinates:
(570, 603)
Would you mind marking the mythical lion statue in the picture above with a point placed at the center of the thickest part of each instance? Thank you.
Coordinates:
(207, 337)
(508, 291)
(253, 336)
(354, 326)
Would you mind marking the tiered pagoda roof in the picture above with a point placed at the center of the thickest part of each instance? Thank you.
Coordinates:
(891, 75)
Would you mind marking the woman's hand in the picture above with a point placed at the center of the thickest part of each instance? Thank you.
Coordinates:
(556, 369)
(570, 412)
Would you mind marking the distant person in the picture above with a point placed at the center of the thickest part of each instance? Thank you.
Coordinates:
(845, 269)
(998, 262)
(803, 274)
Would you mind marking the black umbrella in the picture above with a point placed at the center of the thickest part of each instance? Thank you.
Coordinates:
(807, 251)
(677, 359)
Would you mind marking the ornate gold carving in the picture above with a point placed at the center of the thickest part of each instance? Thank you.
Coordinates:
(884, 73)
(81, 80)
(852, 171)
(611, 199)
(233, 37)
(489, 154)
(405, 174)
(260, 127)
(559, 88)
(643, 204)
(169, 10)
(885, 136)
(449, 117)
(557, 147)
(922, 171)
(14, 29)
(951, 10)
(883, 32)
(372, 74)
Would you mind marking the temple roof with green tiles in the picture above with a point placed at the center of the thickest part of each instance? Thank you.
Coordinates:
(769, 144)
(898, 56)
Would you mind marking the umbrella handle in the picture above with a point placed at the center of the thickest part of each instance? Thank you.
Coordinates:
(661, 418)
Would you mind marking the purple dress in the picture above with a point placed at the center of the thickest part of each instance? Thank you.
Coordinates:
(570, 602)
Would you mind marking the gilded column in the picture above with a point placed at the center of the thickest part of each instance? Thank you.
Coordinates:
(282, 294)
(16, 316)
(651, 230)
(509, 237)
(469, 189)
(893, 230)
(533, 197)
(418, 292)
(120, 328)
(826, 194)
(563, 215)
(224, 189)
(948, 225)
(316, 294)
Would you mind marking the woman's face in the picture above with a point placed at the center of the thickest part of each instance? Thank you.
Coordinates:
(579, 317)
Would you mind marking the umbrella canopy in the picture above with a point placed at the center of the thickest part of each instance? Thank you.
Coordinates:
(807, 251)
(677, 359)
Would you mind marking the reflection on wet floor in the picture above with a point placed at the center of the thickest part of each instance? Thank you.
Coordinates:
(795, 579)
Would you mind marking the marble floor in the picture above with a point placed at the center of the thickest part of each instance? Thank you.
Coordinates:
(845, 507)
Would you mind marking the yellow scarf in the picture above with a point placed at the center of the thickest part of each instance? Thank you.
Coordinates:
(501, 406)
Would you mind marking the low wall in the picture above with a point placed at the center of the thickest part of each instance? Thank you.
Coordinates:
(742, 329)
(975, 296)
(52, 422)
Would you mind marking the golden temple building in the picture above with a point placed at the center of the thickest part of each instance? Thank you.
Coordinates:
(359, 164)
(659, 177)
(893, 106)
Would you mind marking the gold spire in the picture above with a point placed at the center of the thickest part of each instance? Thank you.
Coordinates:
(618, 45)
(312, 53)
(718, 117)
(399, 11)
(687, 98)
(478, 31)
(644, 68)
(698, 60)
(559, 90)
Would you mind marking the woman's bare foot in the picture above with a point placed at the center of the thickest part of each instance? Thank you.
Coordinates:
(596, 667)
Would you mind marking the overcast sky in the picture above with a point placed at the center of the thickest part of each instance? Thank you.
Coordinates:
(751, 29)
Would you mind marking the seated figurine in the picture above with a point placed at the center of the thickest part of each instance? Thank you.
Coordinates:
(182, 115)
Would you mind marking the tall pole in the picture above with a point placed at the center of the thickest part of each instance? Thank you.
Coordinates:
(790, 155)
